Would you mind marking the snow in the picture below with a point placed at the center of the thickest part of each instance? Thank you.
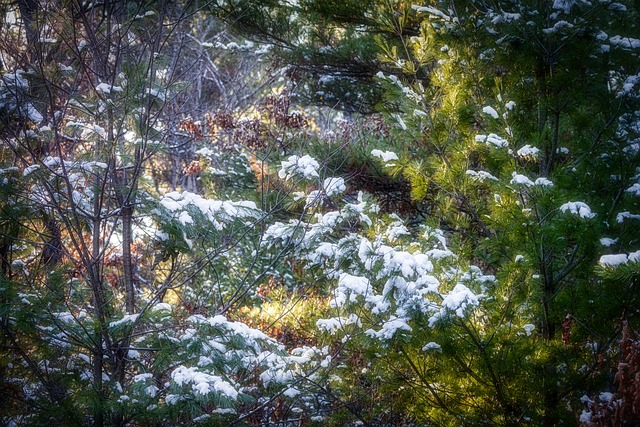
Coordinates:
(185, 218)
(127, 318)
(619, 7)
(33, 114)
(634, 189)
(15, 79)
(543, 182)
(493, 139)
(291, 392)
(605, 396)
(333, 186)
(68, 317)
(481, 175)
(30, 169)
(458, 301)
(401, 122)
(396, 230)
(519, 179)
(237, 328)
(17, 83)
(505, 17)
(607, 241)
(216, 211)
(304, 166)
(578, 208)
(330, 325)
(207, 152)
(161, 235)
(586, 399)
(613, 260)
(389, 329)
(107, 88)
(155, 93)
(557, 27)
(626, 215)
(142, 377)
(432, 11)
(336, 323)
(202, 383)
(439, 253)
(354, 285)
(170, 204)
(92, 130)
(563, 5)
(173, 399)
(162, 306)
(585, 416)
(629, 84)
(432, 346)
(528, 152)
(386, 156)
(625, 42)
(490, 111)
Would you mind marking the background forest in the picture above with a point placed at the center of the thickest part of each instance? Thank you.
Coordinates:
(319, 212)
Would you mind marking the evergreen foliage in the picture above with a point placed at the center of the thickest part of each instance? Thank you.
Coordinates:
(189, 236)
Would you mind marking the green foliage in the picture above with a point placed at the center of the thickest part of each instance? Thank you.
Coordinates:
(468, 255)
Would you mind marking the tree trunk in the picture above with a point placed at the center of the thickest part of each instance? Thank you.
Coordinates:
(127, 236)
(550, 377)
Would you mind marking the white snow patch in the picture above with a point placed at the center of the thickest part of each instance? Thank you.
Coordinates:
(142, 377)
(613, 260)
(458, 301)
(626, 215)
(203, 383)
(578, 208)
(519, 179)
(30, 169)
(389, 329)
(185, 218)
(432, 11)
(490, 111)
(563, 5)
(107, 88)
(528, 152)
(386, 156)
(481, 175)
(432, 346)
(127, 318)
(336, 323)
(493, 139)
(585, 416)
(607, 241)
(162, 306)
(634, 189)
(528, 328)
(305, 166)
(625, 42)
(543, 182)
(333, 186)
